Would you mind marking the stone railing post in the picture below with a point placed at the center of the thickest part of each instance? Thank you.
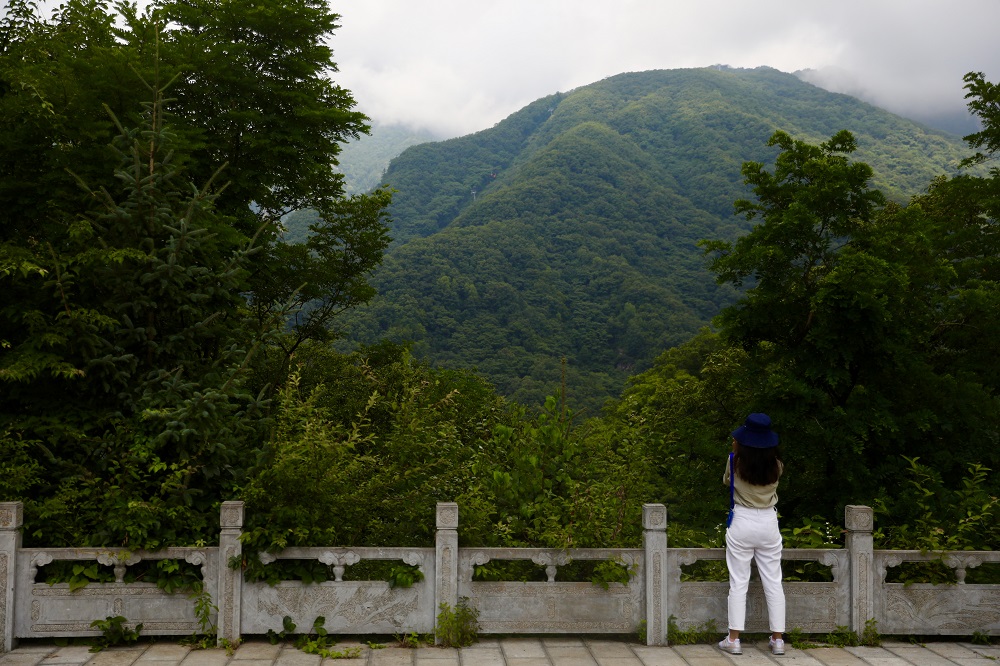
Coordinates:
(654, 540)
(11, 519)
(859, 521)
(230, 579)
(446, 557)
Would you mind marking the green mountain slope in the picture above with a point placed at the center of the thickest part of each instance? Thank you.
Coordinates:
(569, 230)
(363, 161)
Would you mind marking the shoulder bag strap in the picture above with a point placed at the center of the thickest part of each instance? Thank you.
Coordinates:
(732, 490)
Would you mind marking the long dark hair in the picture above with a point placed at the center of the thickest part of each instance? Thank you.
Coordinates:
(758, 467)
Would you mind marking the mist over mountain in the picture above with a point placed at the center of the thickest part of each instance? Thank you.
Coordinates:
(560, 247)
(950, 115)
(364, 160)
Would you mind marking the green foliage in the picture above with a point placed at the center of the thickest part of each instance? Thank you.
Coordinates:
(115, 632)
(317, 641)
(84, 574)
(133, 317)
(846, 637)
(870, 636)
(364, 459)
(203, 609)
(458, 626)
(982, 638)
(706, 632)
(613, 571)
(287, 629)
(177, 576)
(641, 632)
(842, 636)
(984, 98)
(798, 640)
(932, 517)
(814, 532)
(405, 575)
(937, 518)
(171, 576)
(550, 483)
(412, 640)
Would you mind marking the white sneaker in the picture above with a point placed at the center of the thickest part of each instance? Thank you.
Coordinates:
(732, 647)
(777, 646)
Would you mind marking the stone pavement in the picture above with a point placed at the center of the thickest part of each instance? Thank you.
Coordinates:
(570, 651)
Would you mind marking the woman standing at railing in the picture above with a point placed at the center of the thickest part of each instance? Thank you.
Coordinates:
(752, 475)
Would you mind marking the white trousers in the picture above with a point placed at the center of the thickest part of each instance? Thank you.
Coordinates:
(754, 535)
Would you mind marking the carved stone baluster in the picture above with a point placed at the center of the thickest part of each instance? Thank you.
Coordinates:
(654, 539)
(551, 560)
(446, 556)
(198, 558)
(230, 583)
(339, 561)
(11, 518)
(476, 559)
(960, 563)
(859, 521)
(37, 561)
(831, 558)
(120, 561)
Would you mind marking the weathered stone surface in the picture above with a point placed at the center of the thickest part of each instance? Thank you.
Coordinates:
(391, 657)
(658, 656)
(478, 655)
(857, 594)
(173, 652)
(206, 658)
(877, 656)
(836, 657)
(703, 655)
(570, 656)
(522, 648)
(73, 654)
(957, 610)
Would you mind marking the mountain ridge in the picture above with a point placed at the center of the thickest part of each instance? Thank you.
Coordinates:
(570, 229)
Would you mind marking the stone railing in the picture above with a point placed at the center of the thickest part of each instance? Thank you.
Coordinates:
(857, 593)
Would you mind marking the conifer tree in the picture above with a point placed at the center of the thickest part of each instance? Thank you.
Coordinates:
(131, 377)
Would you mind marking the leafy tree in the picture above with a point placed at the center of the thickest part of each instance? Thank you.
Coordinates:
(128, 369)
(846, 321)
(133, 314)
(984, 103)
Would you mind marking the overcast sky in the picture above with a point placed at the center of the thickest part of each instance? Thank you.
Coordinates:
(459, 66)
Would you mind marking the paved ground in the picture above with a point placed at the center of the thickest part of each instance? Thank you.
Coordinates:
(513, 652)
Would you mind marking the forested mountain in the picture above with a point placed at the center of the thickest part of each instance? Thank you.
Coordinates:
(570, 230)
(363, 160)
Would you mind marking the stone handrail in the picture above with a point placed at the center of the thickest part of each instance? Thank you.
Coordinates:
(857, 594)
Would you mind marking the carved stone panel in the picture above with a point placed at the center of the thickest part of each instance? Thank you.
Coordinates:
(811, 607)
(54, 610)
(354, 607)
(575, 608)
(947, 610)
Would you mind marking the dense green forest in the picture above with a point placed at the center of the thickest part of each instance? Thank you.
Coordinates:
(570, 230)
(164, 346)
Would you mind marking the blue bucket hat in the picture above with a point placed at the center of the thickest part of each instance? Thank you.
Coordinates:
(756, 432)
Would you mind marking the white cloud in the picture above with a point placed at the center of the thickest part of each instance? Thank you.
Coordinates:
(457, 66)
